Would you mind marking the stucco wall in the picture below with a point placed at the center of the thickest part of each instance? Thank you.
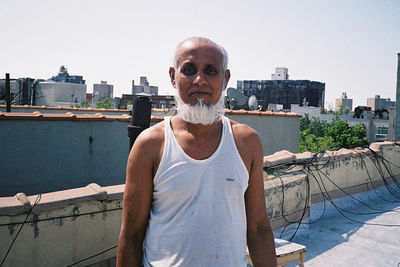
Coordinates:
(59, 94)
(63, 228)
(276, 132)
(355, 170)
(68, 226)
(49, 152)
(43, 155)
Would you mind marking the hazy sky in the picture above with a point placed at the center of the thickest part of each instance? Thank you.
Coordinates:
(349, 45)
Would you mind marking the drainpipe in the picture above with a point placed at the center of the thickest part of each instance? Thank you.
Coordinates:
(141, 113)
(8, 93)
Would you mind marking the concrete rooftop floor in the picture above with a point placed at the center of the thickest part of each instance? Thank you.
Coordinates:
(337, 241)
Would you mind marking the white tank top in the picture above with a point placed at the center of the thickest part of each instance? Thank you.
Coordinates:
(198, 215)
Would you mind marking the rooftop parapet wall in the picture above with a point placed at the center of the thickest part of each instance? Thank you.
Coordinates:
(277, 130)
(55, 151)
(63, 227)
(46, 109)
(71, 225)
(351, 170)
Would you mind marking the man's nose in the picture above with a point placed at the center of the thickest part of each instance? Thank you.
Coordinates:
(199, 79)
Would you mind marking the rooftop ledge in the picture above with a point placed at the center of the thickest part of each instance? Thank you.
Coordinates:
(69, 116)
(63, 108)
(285, 157)
(21, 203)
(227, 111)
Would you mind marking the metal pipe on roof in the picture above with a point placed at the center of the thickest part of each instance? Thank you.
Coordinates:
(141, 113)
(8, 93)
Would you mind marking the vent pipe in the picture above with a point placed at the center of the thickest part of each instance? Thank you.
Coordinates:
(141, 113)
(8, 93)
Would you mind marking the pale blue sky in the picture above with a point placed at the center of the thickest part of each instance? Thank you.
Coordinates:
(350, 45)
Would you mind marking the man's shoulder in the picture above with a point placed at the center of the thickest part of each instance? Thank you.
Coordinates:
(243, 132)
(151, 137)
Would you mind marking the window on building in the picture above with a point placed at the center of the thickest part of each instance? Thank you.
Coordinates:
(383, 130)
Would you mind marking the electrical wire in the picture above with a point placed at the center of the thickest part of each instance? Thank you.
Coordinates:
(370, 179)
(38, 198)
(95, 255)
(325, 194)
(61, 217)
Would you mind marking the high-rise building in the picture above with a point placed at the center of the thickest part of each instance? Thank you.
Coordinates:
(64, 77)
(284, 92)
(378, 103)
(50, 93)
(343, 102)
(144, 87)
(280, 74)
(61, 90)
(102, 90)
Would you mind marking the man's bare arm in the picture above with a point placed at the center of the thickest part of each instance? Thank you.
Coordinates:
(137, 199)
(260, 239)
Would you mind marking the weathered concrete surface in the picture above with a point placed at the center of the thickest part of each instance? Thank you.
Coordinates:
(64, 234)
(276, 132)
(336, 241)
(287, 193)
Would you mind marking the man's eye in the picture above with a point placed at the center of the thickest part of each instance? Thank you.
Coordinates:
(210, 71)
(189, 70)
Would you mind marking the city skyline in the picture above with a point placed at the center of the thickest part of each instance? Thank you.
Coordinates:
(351, 46)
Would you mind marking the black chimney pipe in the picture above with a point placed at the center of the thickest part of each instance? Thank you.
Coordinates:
(8, 94)
(141, 113)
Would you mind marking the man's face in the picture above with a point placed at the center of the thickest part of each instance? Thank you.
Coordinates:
(199, 73)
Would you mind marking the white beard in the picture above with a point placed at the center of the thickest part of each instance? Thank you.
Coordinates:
(201, 113)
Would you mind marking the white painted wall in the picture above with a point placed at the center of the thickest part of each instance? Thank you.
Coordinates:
(59, 94)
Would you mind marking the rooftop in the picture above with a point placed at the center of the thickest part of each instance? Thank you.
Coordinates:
(359, 240)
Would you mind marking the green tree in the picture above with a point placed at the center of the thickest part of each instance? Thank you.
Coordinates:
(104, 103)
(346, 111)
(83, 104)
(316, 135)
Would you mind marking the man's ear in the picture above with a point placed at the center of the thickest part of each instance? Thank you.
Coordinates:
(227, 77)
(172, 76)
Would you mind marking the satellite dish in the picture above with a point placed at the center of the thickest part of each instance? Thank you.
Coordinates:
(239, 100)
(253, 103)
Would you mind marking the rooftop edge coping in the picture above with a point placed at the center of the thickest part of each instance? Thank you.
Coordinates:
(69, 116)
(227, 111)
(64, 108)
(284, 156)
(36, 115)
(21, 203)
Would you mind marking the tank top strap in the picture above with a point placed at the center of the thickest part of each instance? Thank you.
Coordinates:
(167, 127)
(227, 133)
(168, 134)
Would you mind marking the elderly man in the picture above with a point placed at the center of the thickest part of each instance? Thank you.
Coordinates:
(194, 192)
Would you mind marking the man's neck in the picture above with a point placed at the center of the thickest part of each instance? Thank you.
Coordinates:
(198, 130)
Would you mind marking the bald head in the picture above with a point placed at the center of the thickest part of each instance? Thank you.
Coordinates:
(192, 42)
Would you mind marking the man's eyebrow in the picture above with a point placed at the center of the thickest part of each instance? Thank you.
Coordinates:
(188, 63)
